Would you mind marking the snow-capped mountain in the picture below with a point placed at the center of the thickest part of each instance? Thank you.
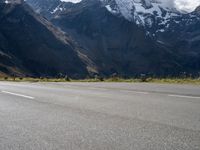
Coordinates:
(154, 15)
(140, 10)
(157, 17)
(129, 36)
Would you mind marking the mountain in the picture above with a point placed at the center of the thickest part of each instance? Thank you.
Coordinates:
(45, 7)
(30, 45)
(142, 12)
(197, 10)
(130, 37)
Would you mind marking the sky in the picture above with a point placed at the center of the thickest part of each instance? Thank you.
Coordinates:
(184, 5)
(187, 5)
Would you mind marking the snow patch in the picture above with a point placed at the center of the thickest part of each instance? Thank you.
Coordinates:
(72, 1)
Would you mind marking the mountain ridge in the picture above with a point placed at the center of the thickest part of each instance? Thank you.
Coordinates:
(41, 48)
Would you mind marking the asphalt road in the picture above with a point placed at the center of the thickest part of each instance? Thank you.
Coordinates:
(99, 116)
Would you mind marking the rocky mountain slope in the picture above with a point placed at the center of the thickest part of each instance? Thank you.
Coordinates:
(130, 37)
(30, 45)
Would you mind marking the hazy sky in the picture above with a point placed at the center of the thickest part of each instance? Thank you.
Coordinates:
(186, 5)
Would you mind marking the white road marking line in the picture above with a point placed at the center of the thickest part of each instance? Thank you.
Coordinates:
(184, 96)
(20, 95)
(141, 92)
(137, 92)
(93, 88)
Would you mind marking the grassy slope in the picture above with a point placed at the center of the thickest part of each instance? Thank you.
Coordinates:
(132, 80)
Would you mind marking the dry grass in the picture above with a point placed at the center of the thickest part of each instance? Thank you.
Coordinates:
(116, 79)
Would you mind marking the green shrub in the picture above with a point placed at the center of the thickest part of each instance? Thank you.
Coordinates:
(67, 78)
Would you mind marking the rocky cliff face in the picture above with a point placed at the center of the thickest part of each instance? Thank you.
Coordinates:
(30, 45)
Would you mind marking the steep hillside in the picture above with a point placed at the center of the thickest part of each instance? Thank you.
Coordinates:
(30, 45)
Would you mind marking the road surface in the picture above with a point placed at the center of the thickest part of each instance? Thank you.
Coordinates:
(99, 116)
